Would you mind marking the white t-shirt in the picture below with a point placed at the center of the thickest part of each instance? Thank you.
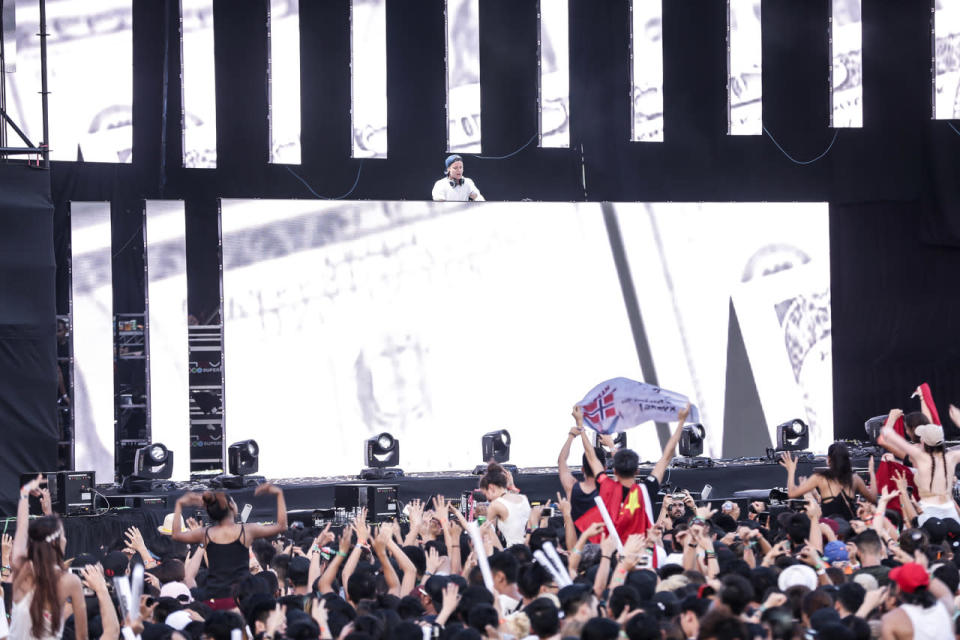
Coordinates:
(459, 193)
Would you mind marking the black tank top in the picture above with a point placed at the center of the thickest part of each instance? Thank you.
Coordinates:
(580, 502)
(838, 506)
(228, 564)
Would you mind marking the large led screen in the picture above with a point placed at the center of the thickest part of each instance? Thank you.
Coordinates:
(89, 74)
(438, 322)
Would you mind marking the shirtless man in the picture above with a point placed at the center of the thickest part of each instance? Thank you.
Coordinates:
(934, 464)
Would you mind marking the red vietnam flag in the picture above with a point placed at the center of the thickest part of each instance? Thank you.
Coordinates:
(885, 472)
(928, 400)
(630, 515)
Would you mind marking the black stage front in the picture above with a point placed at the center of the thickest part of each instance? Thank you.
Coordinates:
(89, 533)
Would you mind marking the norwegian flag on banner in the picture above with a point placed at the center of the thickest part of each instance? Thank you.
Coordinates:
(620, 404)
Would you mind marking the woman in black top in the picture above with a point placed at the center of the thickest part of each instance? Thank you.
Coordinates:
(838, 485)
(227, 542)
(580, 494)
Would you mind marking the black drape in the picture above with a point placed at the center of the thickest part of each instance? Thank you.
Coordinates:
(28, 358)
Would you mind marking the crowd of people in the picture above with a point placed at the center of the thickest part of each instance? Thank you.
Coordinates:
(842, 557)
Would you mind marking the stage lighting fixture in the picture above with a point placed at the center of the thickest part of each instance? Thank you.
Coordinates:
(243, 459)
(873, 427)
(151, 462)
(793, 436)
(496, 446)
(381, 454)
(691, 440)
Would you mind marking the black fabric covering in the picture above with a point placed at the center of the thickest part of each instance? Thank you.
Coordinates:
(28, 376)
(99, 534)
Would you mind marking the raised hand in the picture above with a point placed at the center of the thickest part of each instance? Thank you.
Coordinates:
(440, 510)
(955, 415)
(607, 441)
(325, 537)
(46, 503)
(577, 414)
(93, 578)
(191, 499)
(788, 461)
(346, 539)
(682, 414)
(267, 488)
(134, 540)
(563, 504)
(7, 549)
(433, 560)
(706, 511)
(360, 526)
(608, 545)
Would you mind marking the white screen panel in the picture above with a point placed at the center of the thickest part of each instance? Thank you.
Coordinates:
(745, 68)
(646, 40)
(946, 54)
(463, 75)
(89, 74)
(199, 84)
(554, 73)
(846, 50)
(776, 277)
(284, 73)
(167, 327)
(368, 53)
(92, 291)
(427, 320)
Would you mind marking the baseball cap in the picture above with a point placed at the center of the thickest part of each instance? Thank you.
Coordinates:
(176, 590)
(836, 551)
(115, 563)
(910, 577)
(797, 574)
(451, 159)
(930, 434)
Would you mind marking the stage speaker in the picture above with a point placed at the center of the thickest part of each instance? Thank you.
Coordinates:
(379, 499)
(71, 492)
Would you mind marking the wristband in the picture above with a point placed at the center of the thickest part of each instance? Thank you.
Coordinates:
(577, 551)
(341, 554)
(607, 557)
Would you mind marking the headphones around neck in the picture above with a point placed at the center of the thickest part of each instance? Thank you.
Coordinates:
(456, 183)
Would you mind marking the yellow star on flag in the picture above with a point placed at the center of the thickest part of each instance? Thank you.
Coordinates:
(633, 503)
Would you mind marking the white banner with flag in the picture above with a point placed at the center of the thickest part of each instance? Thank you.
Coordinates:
(620, 404)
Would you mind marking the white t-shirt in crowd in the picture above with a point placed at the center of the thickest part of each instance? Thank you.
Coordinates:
(443, 191)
